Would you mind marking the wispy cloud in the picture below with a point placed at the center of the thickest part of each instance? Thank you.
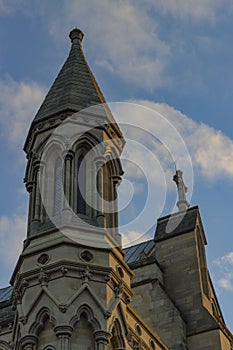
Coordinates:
(18, 104)
(133, 237)
(3, 7)
(12, 234)
(123, 38)
(207, 10)
(224, 271)
(10, 7)
(131, 40)
(211, 151)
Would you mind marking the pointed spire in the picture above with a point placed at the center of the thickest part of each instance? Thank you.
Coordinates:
(182, 203)
(75, 87)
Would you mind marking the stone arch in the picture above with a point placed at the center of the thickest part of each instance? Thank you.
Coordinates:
(43, 329)
(113, 158)
(84, 326)
(39, 178)
(112, 171)
(49, 347)
(87, 140)
(117, 337)
(85, 148)
(42, 316)
(4, 345)
(46, 142)
(52, 154)
(89, 314)
(43, 152)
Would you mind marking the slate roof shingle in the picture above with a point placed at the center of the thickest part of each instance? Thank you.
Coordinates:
(5, 294)
(75, 87)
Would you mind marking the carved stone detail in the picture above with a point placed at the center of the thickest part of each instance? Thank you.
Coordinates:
(86, 275)
(43, 278)
(64, 270)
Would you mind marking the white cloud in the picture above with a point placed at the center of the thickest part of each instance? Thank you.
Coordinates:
(18, 104)
(12, 234)
(8, 7)
(225, 284)
(211, 151)
(123, 38)
(129, 38)
(133, 237)
(3, 7)
(207, 10)
(224, 271)
(225, 260)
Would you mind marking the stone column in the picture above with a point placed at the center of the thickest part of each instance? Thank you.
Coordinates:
(42, 193)
(64, 333)
(36, 198)
(116, 182)
(29, 187)
(101, 340)
(68, 179)
(99, 189)
(28, 342)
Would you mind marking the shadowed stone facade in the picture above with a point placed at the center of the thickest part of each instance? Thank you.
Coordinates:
(74, 287)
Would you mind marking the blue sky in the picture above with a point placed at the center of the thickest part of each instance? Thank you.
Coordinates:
(174, 57)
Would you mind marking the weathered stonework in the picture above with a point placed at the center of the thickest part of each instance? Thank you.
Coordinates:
(74, 287)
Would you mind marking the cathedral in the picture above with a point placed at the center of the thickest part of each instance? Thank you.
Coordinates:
(74, 287)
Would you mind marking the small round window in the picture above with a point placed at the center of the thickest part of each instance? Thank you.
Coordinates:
(87, 256)
(43, 259)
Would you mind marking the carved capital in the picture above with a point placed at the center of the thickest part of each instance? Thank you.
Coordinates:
(29, 186)
(28, 341)
(116, 180)
(102, 337)
(63, 330)
(69, 154)
(38, 164)
(100, 160)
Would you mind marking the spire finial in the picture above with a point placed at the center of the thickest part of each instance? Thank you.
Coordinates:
(182, 203)
(76, 36)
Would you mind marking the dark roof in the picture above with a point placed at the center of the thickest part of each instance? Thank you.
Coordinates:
(138, 251)
(75, 87)
(178, 223)
(5, 294)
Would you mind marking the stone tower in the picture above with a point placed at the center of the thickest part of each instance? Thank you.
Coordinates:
(73, 285)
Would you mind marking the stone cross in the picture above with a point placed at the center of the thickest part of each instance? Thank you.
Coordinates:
(182, 203)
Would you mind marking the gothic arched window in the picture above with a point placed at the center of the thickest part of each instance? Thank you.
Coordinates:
(81, 186)
(58, 188)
